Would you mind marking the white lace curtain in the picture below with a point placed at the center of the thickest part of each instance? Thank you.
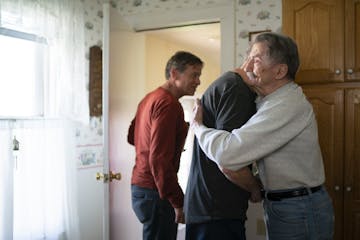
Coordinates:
(61, 22)
(6, 186)
(39, 180)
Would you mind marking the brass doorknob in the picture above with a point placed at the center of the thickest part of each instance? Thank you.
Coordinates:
(116, 176)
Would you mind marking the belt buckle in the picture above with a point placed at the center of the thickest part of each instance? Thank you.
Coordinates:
(300, 192)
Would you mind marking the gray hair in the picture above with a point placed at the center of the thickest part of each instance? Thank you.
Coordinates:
(282, 49)
(180, 60)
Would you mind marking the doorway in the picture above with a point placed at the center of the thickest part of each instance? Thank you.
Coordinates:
(135, 69)
(203, 40)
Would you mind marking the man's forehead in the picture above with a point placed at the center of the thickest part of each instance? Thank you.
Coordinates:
(258, 50)
(194, 68)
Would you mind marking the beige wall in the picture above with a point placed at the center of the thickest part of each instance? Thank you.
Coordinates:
(126, 88)
(158, 52)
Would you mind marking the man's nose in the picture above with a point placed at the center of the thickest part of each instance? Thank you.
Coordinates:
(198, 81)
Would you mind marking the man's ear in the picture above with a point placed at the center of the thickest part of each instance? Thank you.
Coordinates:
(281, 71)
(173, 73)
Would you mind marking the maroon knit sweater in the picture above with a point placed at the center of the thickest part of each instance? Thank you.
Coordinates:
(158, 133)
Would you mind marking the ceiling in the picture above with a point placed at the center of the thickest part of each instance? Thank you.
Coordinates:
(204, 38)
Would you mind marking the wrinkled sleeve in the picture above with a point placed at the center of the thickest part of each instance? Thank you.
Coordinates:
(268, 130)
(235, 108)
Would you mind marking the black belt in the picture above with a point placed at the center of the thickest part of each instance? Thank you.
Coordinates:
(277, 196)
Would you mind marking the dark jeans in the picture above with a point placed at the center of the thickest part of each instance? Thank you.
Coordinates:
(309, 217)
(156, 215)
(217, 229)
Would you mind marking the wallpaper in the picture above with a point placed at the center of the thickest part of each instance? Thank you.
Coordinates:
(126, 7)
(251, 15)
(89, 142)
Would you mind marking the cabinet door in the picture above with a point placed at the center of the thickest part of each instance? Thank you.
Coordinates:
(317, 27)
(328, 104)
(352, 40)
(352, 165)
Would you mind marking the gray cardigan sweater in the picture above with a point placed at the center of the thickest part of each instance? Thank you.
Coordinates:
(282, 136)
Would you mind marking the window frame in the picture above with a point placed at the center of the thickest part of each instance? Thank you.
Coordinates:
(39, 72)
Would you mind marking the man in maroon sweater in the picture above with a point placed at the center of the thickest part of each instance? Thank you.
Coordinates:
(158, 133)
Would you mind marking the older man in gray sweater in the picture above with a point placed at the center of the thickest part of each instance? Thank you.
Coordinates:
(283, 138)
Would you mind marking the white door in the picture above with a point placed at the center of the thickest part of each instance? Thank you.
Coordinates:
(94, 182)
(105, 91)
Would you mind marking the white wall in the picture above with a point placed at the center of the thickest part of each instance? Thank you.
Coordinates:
(127, 84)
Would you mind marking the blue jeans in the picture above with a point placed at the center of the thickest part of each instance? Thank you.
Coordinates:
(229, 229)
(309, 217)
(156, 215)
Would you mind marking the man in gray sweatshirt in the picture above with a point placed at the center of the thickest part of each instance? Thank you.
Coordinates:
(283, 137)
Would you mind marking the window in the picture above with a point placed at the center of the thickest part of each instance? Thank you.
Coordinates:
(40, 77)
(22, 74)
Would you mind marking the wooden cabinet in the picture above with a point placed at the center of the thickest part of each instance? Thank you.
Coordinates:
(328, 104)
(352, 165)
(337, 112)
(328, 35)
(352, 40)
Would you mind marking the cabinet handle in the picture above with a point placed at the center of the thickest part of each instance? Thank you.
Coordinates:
(348, 189)
(350, 71)
(337, 71)
(336, 188)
